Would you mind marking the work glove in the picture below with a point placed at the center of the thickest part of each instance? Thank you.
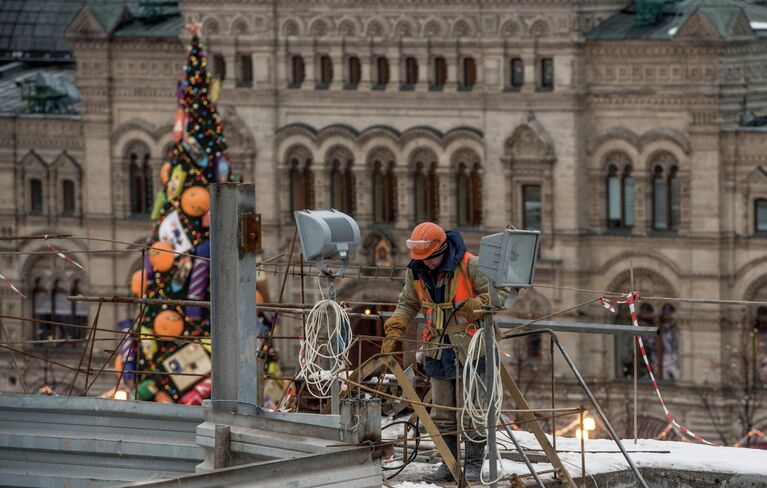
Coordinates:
(395, 328)
(472, 307)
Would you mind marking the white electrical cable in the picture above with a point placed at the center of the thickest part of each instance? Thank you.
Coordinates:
(328, 336)
(474, 410)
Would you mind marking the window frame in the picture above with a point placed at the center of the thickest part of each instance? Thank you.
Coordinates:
(625, 180)
(757, 203)
(245, 70)
(439, 77)
(297, 71)
(353, 73)
(67, 212)
(410, 70)
(34, 208)
(546, 83)
(526, 209)
(382, 73)
(468, 79)
(325, 69)
(512, 84)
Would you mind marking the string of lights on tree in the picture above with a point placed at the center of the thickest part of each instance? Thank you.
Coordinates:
(176, 266)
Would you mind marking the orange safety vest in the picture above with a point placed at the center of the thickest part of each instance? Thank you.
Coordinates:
(461, 288)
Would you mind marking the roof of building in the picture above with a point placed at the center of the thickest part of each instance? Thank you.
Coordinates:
(55, 86)
(722, 17)
(34, 30)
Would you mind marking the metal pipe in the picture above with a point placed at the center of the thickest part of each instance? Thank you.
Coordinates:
(593, 400)
(506, 423)
(616, 329)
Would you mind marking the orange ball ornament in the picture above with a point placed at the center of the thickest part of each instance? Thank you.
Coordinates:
(195, 201)
(139, 278)
(165, 173)
(162, 397)
(168, 324)
(159, 257)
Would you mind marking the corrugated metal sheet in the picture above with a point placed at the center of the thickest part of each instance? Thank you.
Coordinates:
(74, 442)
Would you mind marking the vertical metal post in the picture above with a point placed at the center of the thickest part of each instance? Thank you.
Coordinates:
(583, 449)
(634, 342)
(492, 448)
(232, 299)
(460, 482)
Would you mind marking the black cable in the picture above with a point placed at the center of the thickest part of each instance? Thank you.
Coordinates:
(412, 456)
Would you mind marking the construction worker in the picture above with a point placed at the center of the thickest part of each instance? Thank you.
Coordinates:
(443, 282)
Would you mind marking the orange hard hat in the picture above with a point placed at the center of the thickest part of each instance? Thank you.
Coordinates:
(259, 297)
(425, 240)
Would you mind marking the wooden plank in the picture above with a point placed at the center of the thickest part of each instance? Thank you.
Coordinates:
(409, 391)
(533, 426)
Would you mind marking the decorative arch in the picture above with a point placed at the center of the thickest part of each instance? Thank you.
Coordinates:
(615, 133)
(511, 28)
(376, 27)
(662, 351)
(667, 134)
(320, 27)
(434, 28)
(540, 28)
(240, 26)
(530, 141)
(406, 27)
(349, 27)
(423, 163)
(291, 27)
(211, 27)
(464, 28)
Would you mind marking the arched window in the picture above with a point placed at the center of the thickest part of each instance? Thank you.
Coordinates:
(468, 185)
(301, 180)
(381, 73)
(219, 66)
(468, 73)
(411, 73)
(36, 206)
(341, 180)
(439, 73)
(140, 179)
(665, 193)
(662, 351)
(384, 187)
(68, 197)
(354, 72)
(326, 72)
(426, 186)
(297, 72)
(620, 192)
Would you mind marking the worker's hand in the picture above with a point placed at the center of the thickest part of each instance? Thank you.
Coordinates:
(472, 307)
(395, 328)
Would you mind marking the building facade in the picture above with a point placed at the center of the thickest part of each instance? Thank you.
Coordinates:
(634, 144)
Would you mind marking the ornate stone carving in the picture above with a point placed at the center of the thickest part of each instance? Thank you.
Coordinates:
(376, 28)
(406, 28)
(211, 27)
(347, 28)
(384, 155)
(319, 28)
(529, 143)
(299, 153)
(467, 156)
(540, 28)
(424, 156)
(291, 28)
(511, 28)
(432, 28)
(462, 28)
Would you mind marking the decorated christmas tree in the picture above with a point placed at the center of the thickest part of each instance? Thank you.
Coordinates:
(172, 353)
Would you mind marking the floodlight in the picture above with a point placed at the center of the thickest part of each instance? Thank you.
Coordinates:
(508, 258)
(327, 234)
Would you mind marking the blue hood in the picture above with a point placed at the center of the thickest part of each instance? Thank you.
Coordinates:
(453, 256)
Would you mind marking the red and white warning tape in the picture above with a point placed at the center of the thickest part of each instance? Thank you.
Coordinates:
(61, 254)
(631, 299)
(13, 287)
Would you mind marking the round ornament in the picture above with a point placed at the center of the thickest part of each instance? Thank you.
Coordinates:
(161, 259)
(195, 201)
(162, 397)
(168, 324)
(139, 278)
